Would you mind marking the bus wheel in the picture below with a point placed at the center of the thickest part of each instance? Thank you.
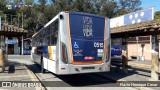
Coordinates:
(42, 66)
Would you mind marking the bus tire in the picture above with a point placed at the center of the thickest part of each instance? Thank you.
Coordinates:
(42, 66)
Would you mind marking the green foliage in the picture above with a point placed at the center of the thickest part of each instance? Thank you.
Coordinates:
(130, 5)
(107, 8)
(37, 14)
(157, 15)
(2, 4)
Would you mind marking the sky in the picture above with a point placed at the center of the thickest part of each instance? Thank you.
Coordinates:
(145, 4)
(150, 3)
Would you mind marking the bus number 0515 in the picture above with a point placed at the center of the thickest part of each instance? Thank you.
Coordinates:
(98, 44)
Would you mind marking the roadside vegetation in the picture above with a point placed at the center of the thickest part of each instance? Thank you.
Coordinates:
(37, 13)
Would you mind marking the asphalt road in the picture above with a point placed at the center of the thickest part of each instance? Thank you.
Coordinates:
(51, 81)
(90, 81)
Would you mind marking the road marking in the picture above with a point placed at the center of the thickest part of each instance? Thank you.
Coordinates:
(34, 78)
(14, 76)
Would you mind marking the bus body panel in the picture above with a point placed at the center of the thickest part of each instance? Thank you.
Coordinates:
(108, 42)
(87, 37)
(77, 69)
(53, 56)
(49, 59)
(51, 66)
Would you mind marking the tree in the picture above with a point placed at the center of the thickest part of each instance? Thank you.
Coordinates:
(29, 3)
(127, 6)
(83, 6)
(37, 14)
(3, 5)
(60, 5)
(106, 7)
(42, 5)
(157, 15)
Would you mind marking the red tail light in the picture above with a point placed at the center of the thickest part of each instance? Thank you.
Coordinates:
(108, 53)
(64, 53)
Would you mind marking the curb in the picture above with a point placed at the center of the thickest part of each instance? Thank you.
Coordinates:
(32, 75)
(141, 66)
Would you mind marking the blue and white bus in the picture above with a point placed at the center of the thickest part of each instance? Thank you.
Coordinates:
(73, 43)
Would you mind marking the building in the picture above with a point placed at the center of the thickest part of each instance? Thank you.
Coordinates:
(11, 39)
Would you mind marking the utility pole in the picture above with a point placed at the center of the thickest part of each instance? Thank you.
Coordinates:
(22, 46)
(11, 19)
(138, 58)
(18, 20)
(5, 18)
(22, 19)
(22, 35)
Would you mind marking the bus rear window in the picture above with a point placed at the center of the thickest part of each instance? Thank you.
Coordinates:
(82, 25)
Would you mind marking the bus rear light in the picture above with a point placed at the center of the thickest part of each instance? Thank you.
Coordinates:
(64, 53)
(108, 53)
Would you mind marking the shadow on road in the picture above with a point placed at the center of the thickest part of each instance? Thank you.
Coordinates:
(85, 80)
(72, 80)
(89, 79)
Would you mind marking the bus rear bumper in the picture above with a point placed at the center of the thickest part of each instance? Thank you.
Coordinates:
(77, 69)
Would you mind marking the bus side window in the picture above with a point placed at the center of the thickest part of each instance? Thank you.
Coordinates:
(48, 40)
(48, 30)
(43, 33)
(36, 42)
(52, 28)
(54, 35)
(40, 42)
(43, 41)
(53, 39)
